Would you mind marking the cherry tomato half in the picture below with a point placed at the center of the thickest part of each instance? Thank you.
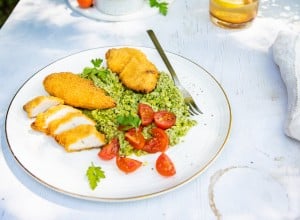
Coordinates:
(85, 3)
(146, 113)
(128, 165)
(158, 143)
(135, 138)
(152, 145)
(110, 150)
(165, 166)
(164, 119)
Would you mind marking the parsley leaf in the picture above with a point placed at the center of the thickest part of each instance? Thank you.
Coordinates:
(162, 6)
(129, 121)
(97, 62)
(96, 72)
(94, 175)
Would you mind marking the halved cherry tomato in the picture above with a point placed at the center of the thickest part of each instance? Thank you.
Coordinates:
(152, 146)
(165, 166)
(135, 138)
(128, 165)
(158, 143)
(164, 119)
(146, 113)
(110, 150)
(85, 3)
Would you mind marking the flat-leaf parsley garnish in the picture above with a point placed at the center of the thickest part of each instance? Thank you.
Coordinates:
(96, 72)
(94, 175)
(128, 121)
(97, 62)
(162, 6)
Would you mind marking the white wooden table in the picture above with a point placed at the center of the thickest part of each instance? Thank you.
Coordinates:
(257, 175)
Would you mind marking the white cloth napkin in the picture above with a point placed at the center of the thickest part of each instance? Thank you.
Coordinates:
(286, 53)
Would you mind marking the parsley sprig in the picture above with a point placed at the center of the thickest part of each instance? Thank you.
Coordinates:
(94, 175)
(128, 121)
(162, 6)
(96, 72)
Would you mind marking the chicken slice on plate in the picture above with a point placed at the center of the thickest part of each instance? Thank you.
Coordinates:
(80, 138)
(40, 104)
(43, 119)
(77, 91)
(67, 122)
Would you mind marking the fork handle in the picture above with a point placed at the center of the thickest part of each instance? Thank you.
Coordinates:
(163, 56)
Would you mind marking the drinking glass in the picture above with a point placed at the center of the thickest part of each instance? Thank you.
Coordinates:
(233, 13)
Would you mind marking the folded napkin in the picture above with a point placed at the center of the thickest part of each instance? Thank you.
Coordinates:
(286, 53)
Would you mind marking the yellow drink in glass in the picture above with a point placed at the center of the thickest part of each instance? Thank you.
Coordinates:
(233, 13)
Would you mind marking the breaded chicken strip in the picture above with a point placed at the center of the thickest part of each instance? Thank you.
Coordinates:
(40, 104)
(139, 76)
(43, 119)
(81, 137)
(67, 122)
(76, 91)
(117, 59)
(135, 71)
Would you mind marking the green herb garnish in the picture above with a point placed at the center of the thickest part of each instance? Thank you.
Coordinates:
(162, 6)
(97, 62)
(94, 175)
(97, 72)
(128, 121)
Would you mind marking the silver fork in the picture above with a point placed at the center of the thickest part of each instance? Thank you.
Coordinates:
(188, 99)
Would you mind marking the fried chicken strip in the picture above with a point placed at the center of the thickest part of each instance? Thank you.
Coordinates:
(117, 59)
(77, 91)
(43, 119)
(40, 104)
(80, 138)
(135, 71)
(139, 76)
(67, 122)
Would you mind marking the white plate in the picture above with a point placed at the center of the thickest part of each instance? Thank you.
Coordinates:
(94, 13)
(48, 162)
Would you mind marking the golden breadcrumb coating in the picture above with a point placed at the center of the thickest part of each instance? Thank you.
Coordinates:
(80, 138)
(77, 91)
(70, 120)
(135, 71)
(139, 76)
(43, 119)
(118, 58)
(40, 104)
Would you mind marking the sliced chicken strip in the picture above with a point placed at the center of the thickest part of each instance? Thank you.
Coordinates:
(40, 104)
(43, 119)
(67, 122)
(79, 138)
